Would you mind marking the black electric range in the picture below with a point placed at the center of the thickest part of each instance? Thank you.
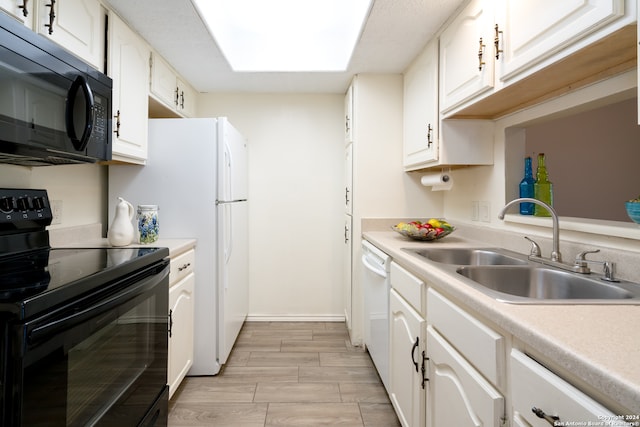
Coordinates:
(84, 330)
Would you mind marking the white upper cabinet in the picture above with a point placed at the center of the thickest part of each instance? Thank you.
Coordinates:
(494, 44)
(77, 25)
(466, 55)
(420, 117)
(168, 88)
(22, 10)
(531, 30)
(129, 69)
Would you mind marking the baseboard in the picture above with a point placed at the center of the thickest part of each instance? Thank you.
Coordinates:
(294, 318)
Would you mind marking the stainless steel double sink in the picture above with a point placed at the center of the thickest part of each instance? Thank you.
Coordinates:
(509, 277)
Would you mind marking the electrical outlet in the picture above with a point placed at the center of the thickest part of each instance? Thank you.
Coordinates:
(484, 211)
(475, 207)
(56, 210)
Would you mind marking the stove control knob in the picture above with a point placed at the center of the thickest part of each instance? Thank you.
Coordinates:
(6, 204)
(23, 204)
(38, 203)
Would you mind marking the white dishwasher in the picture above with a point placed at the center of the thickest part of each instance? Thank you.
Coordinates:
(376, 287)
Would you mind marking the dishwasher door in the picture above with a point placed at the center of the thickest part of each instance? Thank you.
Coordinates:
(376, 284)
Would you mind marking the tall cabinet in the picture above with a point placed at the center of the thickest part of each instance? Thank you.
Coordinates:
(373, 156)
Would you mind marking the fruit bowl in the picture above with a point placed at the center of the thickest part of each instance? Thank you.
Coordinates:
(432, 229)
(633, 210)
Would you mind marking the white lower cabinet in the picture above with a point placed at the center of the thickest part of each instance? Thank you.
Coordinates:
(181, 324)
(450, 367)
(465, 367)
(541, 398)
(407, 346)
(457, 394)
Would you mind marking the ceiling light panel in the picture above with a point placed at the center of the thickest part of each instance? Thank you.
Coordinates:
(285, 35)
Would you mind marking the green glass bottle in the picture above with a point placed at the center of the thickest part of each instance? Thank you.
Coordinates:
(543, 188)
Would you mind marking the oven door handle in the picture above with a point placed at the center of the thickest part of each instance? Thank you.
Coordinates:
(95, 310)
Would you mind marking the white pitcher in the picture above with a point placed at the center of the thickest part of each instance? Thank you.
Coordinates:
(121, 231)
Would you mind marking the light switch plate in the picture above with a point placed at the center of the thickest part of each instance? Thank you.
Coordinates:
(56, 211)
(484, 211)
(475, 208)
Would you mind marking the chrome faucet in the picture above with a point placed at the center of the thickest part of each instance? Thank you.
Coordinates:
(580, 263)
(556, 256)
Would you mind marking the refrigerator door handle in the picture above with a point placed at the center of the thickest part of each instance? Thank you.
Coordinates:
(228, 249)
(224, 202)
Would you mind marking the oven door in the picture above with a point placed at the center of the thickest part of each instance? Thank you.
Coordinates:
(100, 361)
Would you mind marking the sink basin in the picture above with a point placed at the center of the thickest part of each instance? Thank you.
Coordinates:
(468, 256)
(522, 283)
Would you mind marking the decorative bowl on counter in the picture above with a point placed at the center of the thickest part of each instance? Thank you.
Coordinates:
(431, 229)
(633, 210)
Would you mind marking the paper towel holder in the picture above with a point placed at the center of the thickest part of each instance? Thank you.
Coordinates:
(438, 181)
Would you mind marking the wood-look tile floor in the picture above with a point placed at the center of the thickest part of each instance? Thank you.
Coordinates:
(287, 374)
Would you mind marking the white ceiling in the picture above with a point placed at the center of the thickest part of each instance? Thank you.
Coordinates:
(395, 32)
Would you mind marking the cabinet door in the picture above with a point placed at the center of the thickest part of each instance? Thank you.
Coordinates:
(348, 265)
(533, 30)
(458, 395)
(466, 55)
(421, 109)
(348, 115)
(405, 361)
(534, 386)
(129, 69)
(181, 304)
(348, 179)
(163, 82)
(186, 98)
(77, 25)
(22, 10)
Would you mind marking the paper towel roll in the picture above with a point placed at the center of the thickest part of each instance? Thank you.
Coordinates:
(437, 181)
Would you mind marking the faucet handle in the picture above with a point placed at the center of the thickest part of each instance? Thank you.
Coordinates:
(581, 257)
(535, 248)
(609, 271)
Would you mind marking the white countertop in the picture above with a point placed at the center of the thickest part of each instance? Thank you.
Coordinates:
(598, 344)
(176, 246)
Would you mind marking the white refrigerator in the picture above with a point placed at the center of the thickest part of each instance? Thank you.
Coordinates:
(196, 173)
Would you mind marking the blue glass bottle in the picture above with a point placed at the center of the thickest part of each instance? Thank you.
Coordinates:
(527, 188)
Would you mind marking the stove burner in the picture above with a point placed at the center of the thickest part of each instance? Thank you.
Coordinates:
(24, 274)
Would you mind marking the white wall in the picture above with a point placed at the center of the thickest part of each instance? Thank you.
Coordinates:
(296, 180)
(81, 188)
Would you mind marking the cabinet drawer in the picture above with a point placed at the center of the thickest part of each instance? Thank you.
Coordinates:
(182, 265)
(410, 287)
(479, 344)
(534, 386)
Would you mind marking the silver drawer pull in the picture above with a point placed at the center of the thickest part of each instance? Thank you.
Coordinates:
(184, 266)
(551, 419)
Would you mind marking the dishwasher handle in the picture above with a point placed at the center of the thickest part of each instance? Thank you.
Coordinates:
(375, 268)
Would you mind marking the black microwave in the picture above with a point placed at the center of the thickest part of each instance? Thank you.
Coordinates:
(54, 108)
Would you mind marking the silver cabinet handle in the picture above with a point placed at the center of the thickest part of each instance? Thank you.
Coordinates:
(52, 16)
(551, 419)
